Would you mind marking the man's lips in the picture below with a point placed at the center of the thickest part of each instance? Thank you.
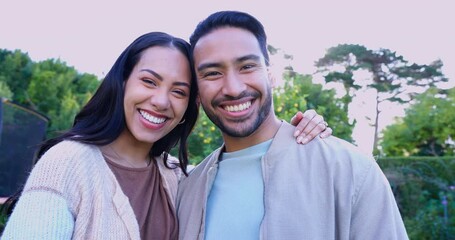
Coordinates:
(237, 107)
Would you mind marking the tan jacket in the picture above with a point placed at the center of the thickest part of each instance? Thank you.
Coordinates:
(325, 189)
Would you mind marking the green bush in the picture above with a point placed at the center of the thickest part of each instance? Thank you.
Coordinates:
(424, 188)
(3, 219)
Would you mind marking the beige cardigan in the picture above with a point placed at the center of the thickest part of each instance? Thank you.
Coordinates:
(78, 174)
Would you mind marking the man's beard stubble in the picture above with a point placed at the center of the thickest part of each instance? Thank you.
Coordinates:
(242, 130)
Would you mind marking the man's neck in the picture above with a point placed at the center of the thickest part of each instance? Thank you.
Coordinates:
(264, 132)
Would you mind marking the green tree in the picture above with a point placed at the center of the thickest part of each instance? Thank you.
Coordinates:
(299, 93)
(50, 87)
(392, 77)
(68, 108)
(84, 86)
(427, 129)
(59, 92)
(15, 72)
(5, 92)
(205, 138)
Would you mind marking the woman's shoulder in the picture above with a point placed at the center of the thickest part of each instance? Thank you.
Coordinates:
(71, 148)
(64, 158)
(70, 152)
(60, 166)
(67, 168)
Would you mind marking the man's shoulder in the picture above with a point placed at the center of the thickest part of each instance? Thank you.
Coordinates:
(321, 154)
(285, 140)
(339, 152)
(339, 156)
(337, 144)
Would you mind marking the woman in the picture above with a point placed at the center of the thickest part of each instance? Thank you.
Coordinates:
(110, 176)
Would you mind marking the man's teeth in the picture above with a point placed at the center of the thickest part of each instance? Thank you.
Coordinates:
(238, 108)
(151, 118)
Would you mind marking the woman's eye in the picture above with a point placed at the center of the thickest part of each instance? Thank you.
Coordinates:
(149, 81)
(180, 92)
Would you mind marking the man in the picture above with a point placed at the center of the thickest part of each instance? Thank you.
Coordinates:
(261, 184)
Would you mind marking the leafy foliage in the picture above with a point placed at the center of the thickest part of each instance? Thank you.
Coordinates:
(392, 77)
(15, 73)
(205, 138)
(427, 128)
(3, 219)
(299, 93)
(424, 188)
(49, 87)
(5, 92)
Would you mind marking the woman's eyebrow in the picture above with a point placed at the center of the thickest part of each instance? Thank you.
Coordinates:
(153, 73)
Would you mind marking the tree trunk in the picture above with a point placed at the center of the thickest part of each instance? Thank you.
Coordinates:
(376, 127)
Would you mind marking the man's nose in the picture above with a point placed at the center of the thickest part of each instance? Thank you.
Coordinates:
(233, 85)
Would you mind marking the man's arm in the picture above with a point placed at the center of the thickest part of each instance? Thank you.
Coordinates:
(375, 213)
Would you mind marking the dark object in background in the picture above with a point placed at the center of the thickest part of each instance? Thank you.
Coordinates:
(21, 131)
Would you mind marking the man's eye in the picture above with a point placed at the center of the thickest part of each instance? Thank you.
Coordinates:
(248, 66)
(208, 74)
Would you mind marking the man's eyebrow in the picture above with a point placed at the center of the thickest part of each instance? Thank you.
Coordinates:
(153, 73)
(248, 57)
(208, 65)
(253, 57)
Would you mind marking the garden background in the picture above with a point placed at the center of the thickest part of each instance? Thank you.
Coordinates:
(381, 75)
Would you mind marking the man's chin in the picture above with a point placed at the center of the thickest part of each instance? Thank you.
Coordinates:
(239, 129)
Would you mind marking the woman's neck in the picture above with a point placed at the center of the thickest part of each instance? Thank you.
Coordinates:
(128, 152)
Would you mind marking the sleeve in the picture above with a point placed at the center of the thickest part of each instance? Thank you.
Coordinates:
(375, 212)
(40, 215)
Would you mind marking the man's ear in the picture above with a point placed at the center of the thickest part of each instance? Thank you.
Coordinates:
(272, 78)
(198, 100)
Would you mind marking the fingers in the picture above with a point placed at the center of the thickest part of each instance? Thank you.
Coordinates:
(311, 130)
(310, 127)
(305, 119)
(326, 133)
(296, 118)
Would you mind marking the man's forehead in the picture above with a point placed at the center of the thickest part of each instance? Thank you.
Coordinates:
(227, 42)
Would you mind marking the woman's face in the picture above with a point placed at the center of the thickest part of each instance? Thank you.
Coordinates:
(157, 93)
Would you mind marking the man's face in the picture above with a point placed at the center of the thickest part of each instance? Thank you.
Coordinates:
(233, 80)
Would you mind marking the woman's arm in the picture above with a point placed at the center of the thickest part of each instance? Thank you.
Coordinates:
(40, 214)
